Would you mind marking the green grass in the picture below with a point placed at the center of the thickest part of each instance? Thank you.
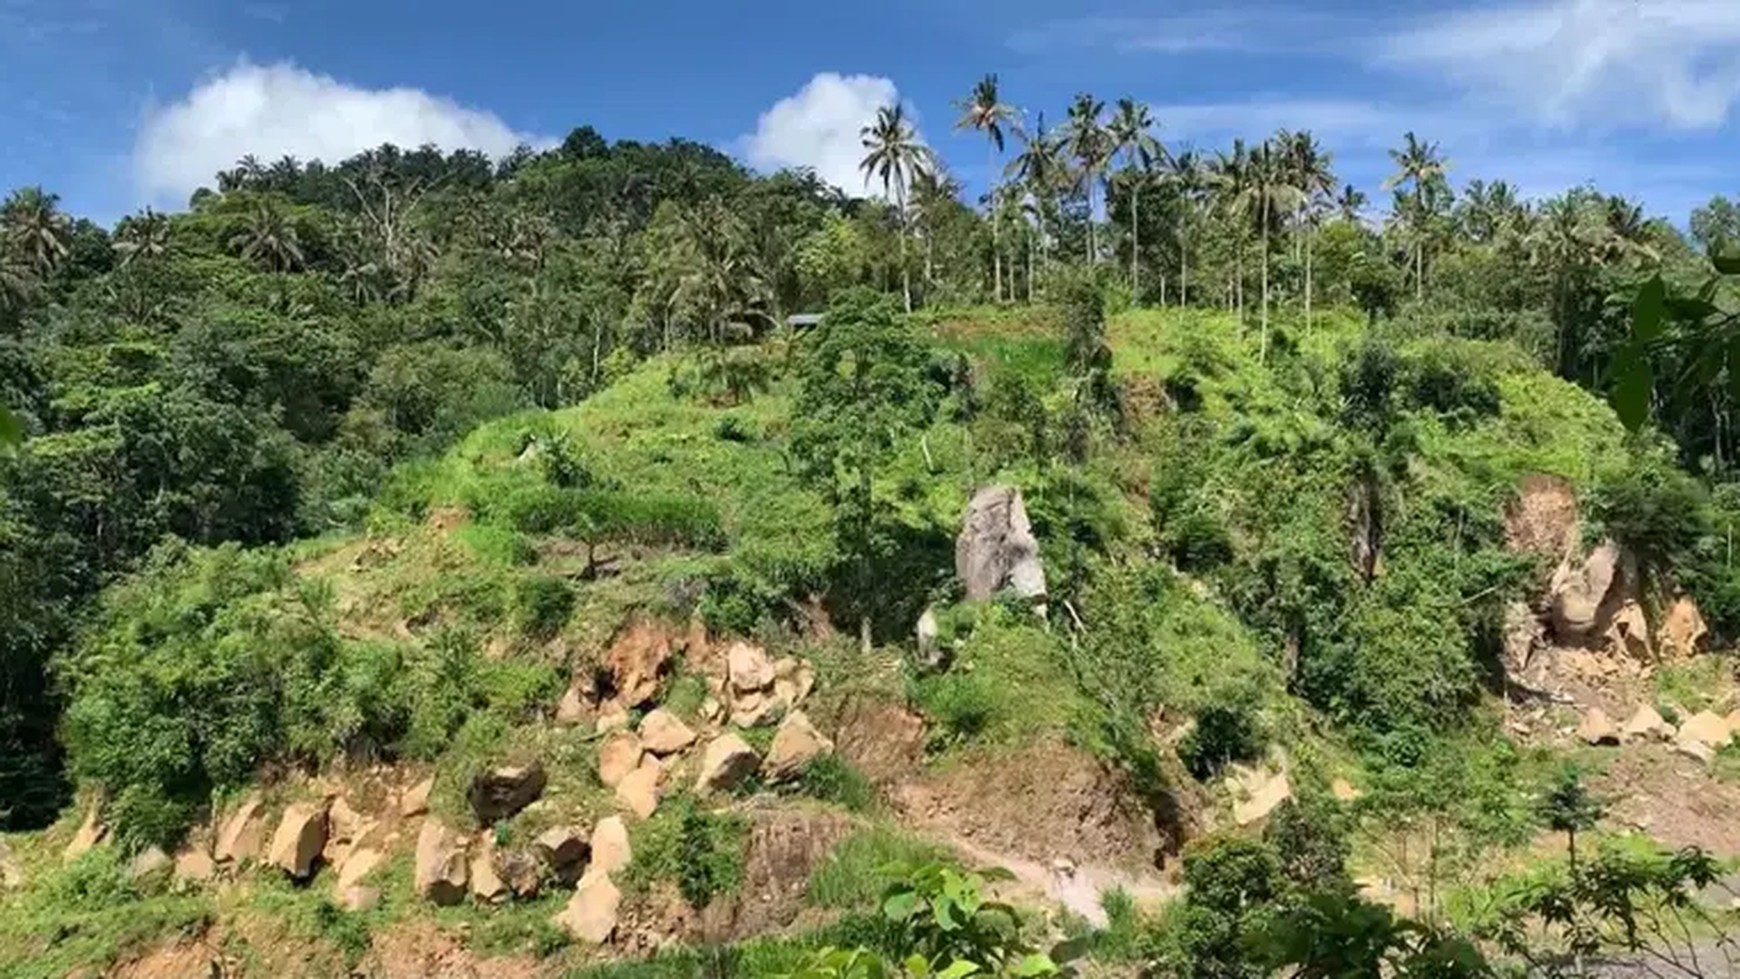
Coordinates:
(88, 914)
(1695, 684)
(856, 873)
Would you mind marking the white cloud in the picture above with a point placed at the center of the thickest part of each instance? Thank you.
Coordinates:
(1603, 63)
(819, 128)
(278, 110)
(1226, 29)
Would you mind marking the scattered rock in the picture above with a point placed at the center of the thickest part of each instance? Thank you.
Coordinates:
(748, 669)
(149, 861)
(591, 913)
(299, 840)
(91, 832)
(359, 898)
(574, 709)
(932, 656)
(486, 885)
(1629, 632)
(805, 680)
(1705, 728)
(356, 868)
(1344, 791)
(194, 865)
(563, 849)
(639, 790)
(612, 716)
(795, 744)
(617, 757)
(498, 793)
(1261, 793)
(1683, 630)
(712, 709)
(759, 709)
(523, 873)
(415, 800)
(441, 872)
(1647, 725)
(727, 762)
(1597, 728)
(610, 847)
(637, 661)
(1578, 594)
(663, 733)
(240, 837)
(1696, 750)
(996, 548)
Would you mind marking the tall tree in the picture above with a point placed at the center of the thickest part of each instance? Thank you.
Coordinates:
(142, 237)
(36, 228)
(1350, 204)
(1231, 177)
(893, 154)
(1190, 179)
(1308, 168)
(269, 236)
(1417, 163)
(1040, 168)
(1268, 195)
(985, 111)
(1086, 137)
(1132, 135)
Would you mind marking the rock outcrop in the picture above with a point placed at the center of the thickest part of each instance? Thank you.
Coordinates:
(638, 792)
(498, 793)
(92, 832)
(727, 761)
(440, 872)
(996, 548)
(300, 838)
(1257, 793)
(486, 885)
(795, 745)
(1582, 599)
(637, 662)
(194, 865)
(1683, 630)
(1646, 724)
(242, 833)
(414, 801)
(563, 851)
(1705, 728)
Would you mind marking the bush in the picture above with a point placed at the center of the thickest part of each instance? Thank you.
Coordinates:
(832, 778)
(1224, 733)
(701, 851)
(544, 603)
(961, 704)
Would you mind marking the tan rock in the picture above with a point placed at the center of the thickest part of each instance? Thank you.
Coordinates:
(441, 872)
(1696, 750)
(499, 793)
(1258, 794)
(1683, 629)
(638, 792)
(612, 716)
(523, 873)
(1646, 724)
(415, 800)
(805, 680)
(194, 866)
(242, 835)
(747, 668)
(610, 847)
(1705, 728)
(356, 868)
(712, 709)
(1344, 791)
(300, 837)
(663, 733)
(618, 755)
(637, 661)
(487, 885)
(91, 833)
(149, 861)
(359, 898)
(1628, 634)
(1597, 728)
(727, 762)
(562, 849)
(574, 710)
(795, 745)
(345, 824)
(591, 913)
(758, 709)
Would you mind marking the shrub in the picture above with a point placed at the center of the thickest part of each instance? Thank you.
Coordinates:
(1224, 733)
(832, 778)
(543, 604)
(701, 851)
(962, 705)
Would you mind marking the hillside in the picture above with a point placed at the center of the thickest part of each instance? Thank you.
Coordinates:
(1325, 577)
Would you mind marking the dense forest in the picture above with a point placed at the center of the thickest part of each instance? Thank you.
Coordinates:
(297, 350)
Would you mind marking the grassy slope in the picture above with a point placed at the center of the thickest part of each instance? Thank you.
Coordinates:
(411, 574)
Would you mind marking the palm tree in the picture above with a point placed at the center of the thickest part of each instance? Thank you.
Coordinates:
(722, 280)
(1190, 177)
(1040, 168)
(1350, 203)
(894, 154)
(36, 229)
(1085, 136)
(1309, 169)
(984, 110)
(933, 193)
(1268, 195)
(142, 236)
(268, 236)
(1418, 164)
(1131, 135)
(1230, 176)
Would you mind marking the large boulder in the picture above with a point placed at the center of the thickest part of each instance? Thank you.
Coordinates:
(591, 913)
(610, 847)
(1705, 728)
(748, 668)
(486, 885)
(1628, 632)
(563, 850)
(194, 865)
(523, 873)
(440, 872)
(1580, 601)
(1683, 630)
(664, 733)
(639, 791)
(1597, 728)
(757, 709)
(727, 761)
(996, 548)
(300, 838)
(1647, 724)
(637, 662)
(356, 867)
(498, 793)
(414, 801)
(618, 756)
(242, 834)
(795, 745)
(91, 832)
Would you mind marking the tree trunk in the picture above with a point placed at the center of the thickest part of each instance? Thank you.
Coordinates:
(1308, 284)
(1093, 251)
(905, 273)
(1136, 242)
(1263, 349)
(991, 210)
(1184, 269)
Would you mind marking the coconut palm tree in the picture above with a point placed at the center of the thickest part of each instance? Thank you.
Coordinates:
(1189, 176)
(1269, 193)
(36, 229)
(933, 192)
(722, 280)
(143, 236)
(985, 111)
(1131, 130)
(1350, 203)
(1417, 165)
(1040, 169)
(269, 237)
(1308, 169)
(1230, 176)
(1087, 140)
(893, 154)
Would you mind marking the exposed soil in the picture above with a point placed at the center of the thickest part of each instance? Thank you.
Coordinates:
(881, 738)
(423, 951)
(1673, 798)
(1542, 519)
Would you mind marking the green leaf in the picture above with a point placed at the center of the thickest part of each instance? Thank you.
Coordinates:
(1649, 309)
(944, 912)
(11, 431)
(900, 905)
(1727, 263)
(1633, 380)
(916, 966)
(1035, 964)
(958, 969)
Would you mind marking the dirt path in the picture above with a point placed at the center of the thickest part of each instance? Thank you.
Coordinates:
(1077, 888)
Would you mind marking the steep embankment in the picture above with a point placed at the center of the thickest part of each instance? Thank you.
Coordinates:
(577, 692)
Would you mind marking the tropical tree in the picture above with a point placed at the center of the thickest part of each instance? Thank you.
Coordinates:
(1268, 195)
(1040, 168)
(1190, 178)
(1312, 180)
(893, 154)
(268, 236)
(722, 282)
(143, 236)
(1131, 130)
(36, 228)
(985, 111)
(1418, 164)
(1230, 178)
(1088, 142)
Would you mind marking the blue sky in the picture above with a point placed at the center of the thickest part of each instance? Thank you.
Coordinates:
(120, 103)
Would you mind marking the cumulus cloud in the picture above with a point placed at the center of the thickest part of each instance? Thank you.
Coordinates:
(277, 110)
(819, 128)
(1586, 62)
